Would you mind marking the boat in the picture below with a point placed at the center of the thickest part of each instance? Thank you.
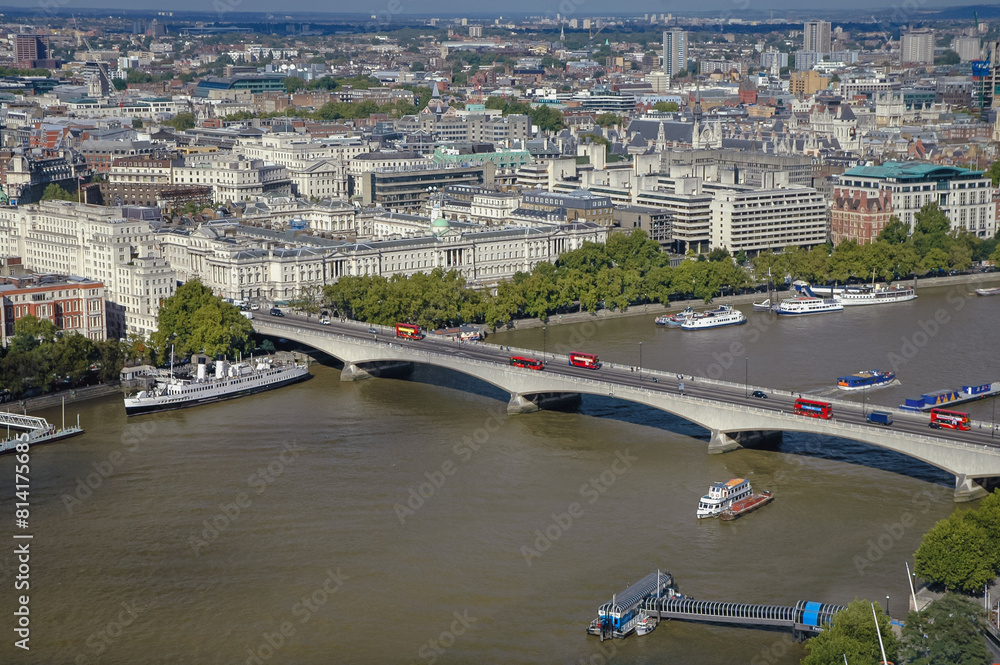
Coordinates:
(722, 495)
(645, 625)
(725, 315)
(808, 305)
(988, 292)
(951, 397)
(869, 378)
(764, 306)
(230, 381)
(819, 291)
(38, 431)
(875, 295)
(747, 505)
(678, 319)
(661, 320)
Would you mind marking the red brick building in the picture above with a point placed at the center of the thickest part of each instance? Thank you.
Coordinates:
(855, 216)
(73, 305)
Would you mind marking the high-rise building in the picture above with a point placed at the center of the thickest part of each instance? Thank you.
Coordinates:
(30, 48)
(816, 36)
(917, 47)
(675, 51)
(967, 48)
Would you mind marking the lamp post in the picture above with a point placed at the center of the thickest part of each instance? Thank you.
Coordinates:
(640, 361)
(746, 378)
(887, 605)
(543, 342)
(993, 418)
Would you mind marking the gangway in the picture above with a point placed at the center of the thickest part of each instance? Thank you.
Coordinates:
(803, 619)
(21, 421)
(35, 430)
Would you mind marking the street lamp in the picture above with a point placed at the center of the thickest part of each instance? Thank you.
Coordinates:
(543, 342)
(887, 605)
(640, 361)
(746, 378)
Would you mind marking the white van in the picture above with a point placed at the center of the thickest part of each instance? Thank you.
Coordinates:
(249, 315)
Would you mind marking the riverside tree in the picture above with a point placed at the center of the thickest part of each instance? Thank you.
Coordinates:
(194, 320)
(962, 551)
(947, 632)
(852, 635)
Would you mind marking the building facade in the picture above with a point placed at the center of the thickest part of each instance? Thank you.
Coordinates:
(73, 305)
(675, 51)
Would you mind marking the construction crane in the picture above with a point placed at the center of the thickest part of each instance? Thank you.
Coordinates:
(885, 35)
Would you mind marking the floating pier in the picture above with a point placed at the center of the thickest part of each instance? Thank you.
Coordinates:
(33, 431)
(944, 398)
(655, 596)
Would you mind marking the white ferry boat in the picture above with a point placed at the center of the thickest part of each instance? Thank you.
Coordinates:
(875, 295)
(988, 292)
(808, 305)
(229, 382)
(678, 319)
(726, 315)
(722, 495)
(645, 625)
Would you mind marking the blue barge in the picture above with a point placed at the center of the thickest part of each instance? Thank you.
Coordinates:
(944, 398)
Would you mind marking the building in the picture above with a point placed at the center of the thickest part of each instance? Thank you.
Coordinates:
(771, 218)
(917, 47)
(225, 88)
(234, 178)
(317, 168)
(72, 304)
(965, 196)
(66, 238)
(807, 83)
(142, 285)
(816, 36)
(967, 48)
(407, 188)
(656, 222)
(675, 51)
(31, 51)
(580, 205)
(854, 216)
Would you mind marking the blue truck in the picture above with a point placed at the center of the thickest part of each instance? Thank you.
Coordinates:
(880, 418)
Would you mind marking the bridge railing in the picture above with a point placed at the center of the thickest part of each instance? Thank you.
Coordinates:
(612, 388)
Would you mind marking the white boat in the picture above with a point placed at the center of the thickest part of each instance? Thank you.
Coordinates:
(661, 320)
(764, 306)
(678, 319)
(722, 495)
(229, 382)
(875, 295)
(726, 315)
(988, 292)
(645, 625)
(808, 305)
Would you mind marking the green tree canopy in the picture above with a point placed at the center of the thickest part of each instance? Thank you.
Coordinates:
(55, 192)
(181, 121)
(294, 83)
(852, 635)
(194, 320)
(948, 632)
(667, 107)
(895, 232)
(958, 554)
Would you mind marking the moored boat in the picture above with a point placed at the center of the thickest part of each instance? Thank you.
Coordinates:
(661, 320)
(747, 505)
(764, 306)
(229, 382)
(875, 295)
(678, 319)
(869, 378)
(808, 305)
(988, 292)
(645, 625)
(726, 315)
(722, 495)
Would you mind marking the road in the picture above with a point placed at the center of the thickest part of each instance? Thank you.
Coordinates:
(777, 401)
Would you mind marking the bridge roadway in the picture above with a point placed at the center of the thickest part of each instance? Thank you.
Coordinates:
(724, 408)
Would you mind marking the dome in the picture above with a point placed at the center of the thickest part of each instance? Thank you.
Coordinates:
(439, 226)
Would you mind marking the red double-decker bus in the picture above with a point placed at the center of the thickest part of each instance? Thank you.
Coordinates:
(409, 331)
(813, 409)
(949, 420)
(530, 363)
(588, 360)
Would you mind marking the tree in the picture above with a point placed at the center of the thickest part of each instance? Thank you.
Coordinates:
(895, 232)
(949, 57)
(294, 83)
(30, 332)
(719, 254)
(852, 635)
(55, 192)
(994, 173)
(608, 120)
(194, 320)
(181, 121)
(948, 632)
(667, 107)
(957, 554)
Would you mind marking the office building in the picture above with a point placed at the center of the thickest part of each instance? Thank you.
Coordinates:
(816, 36)
(917, 47)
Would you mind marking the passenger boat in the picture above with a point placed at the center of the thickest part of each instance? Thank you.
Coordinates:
(869, 378)
(725, 315)
(229, 382)
(988, 292)
(747, 505)
(645, 625)
(661, 320)
(722, 495)
(875, 295)
(678, 319)
(808, 305)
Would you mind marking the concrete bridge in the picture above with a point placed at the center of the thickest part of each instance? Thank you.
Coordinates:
(725, 409)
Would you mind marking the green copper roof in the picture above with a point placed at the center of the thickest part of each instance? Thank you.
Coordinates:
(911, 171)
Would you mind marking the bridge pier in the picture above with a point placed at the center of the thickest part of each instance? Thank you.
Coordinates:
(375, 369)
(723, 442)
(966, 489)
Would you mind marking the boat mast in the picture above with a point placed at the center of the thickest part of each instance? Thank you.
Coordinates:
(171, 361)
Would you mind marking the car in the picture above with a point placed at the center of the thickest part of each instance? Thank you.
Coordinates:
(276, 312)
(255, 306)
(372, 330)
(759, 394)
(325, 321)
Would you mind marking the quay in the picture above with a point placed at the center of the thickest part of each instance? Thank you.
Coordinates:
(655, 597)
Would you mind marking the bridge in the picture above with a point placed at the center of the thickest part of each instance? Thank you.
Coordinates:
(803, 619)
(725, 409)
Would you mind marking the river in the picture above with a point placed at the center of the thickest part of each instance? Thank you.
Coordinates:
(413, 521)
